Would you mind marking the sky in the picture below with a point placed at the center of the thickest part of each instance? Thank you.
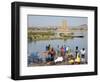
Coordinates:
(44, 20)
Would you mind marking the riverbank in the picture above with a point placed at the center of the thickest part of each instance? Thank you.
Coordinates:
(68, 61)
(53, 38)
(50, 35)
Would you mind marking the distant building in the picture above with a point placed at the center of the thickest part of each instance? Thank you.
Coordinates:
(63, 29)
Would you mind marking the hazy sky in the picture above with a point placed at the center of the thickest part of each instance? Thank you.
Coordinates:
(40, 20)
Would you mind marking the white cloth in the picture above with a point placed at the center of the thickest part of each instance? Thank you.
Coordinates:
(82, 51)
(59, 59)
(67, 48)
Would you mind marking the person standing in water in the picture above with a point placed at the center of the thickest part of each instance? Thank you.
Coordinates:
(62, 52)
(68, 50)
(64, 49)
(52, 53)
(49, 47)
(58, 50)
(76, 51)
(83, 52)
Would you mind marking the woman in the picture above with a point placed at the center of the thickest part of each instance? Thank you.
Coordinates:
(52, 53)
(62, 52)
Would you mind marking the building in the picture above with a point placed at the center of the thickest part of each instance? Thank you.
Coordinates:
(63, 29)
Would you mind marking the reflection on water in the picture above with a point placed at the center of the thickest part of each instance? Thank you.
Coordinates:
(40, 46)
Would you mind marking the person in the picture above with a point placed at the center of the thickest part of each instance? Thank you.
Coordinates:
(52, 53)
(82, 51)
(48, 58)
(76, 51)
(68, 50)
(62, 52)
(49, 47)
(46, 48)
(58, 51)
(64, 49)
(78, 60)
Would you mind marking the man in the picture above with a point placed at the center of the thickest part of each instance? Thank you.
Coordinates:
(82, 51)
(76, 51)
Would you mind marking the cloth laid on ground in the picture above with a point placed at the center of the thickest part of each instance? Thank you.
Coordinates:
(59, 59)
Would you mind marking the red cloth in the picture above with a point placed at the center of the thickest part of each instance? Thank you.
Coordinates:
(62, 49)
(52, 53)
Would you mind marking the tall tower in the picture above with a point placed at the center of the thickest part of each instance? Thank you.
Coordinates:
(64, 25)
(63, 28)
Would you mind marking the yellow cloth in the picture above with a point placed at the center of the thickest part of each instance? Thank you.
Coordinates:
(71, 61)
(78, 59)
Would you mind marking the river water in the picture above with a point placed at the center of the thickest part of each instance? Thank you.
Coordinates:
(40, 46)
